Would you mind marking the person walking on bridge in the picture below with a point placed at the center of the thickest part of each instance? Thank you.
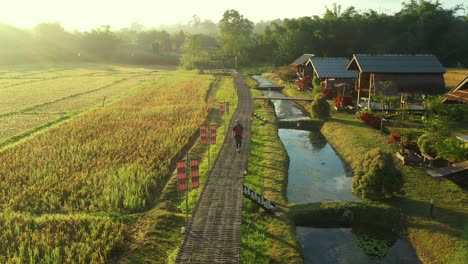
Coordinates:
(237, 133)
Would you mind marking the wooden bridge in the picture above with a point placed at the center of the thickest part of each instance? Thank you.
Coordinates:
(214, 232)
(461, 167)
(282, 98)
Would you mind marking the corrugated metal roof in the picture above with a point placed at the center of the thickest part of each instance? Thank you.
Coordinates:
(332, 68)
(394, 63)
(302, 59)
(459, 93)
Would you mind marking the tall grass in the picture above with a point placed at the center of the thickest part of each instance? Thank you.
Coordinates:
(58, 238)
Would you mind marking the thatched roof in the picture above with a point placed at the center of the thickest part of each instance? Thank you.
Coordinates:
(301, 60)
(332, 68)
(459, 93)
(394, 63)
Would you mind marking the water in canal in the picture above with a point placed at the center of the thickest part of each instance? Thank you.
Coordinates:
(316, 172)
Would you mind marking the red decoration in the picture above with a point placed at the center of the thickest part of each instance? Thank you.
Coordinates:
(181, 175)
(195, 173)
(213, 134)
(221, 109)
(227, 108)
(203, 138)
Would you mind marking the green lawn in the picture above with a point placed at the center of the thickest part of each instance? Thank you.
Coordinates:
(439, 240)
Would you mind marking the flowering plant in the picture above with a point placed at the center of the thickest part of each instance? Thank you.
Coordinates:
(343, 100)
(328, 92)
(395, 137)
(300, 83)
(411, 145)
(370, 119)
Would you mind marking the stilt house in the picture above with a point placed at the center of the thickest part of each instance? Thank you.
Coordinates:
(332, 71)
(392, 75)
(299, 65)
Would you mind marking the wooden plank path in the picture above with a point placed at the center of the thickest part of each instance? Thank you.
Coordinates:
(282, 98)
(449, 170)
(213, 234)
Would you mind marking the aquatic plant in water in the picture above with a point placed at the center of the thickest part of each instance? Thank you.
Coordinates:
(375, 248)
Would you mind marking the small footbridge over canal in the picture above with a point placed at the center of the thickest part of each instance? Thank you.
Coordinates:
(214, 232)
(282, 98)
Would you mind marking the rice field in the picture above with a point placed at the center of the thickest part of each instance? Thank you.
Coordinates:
(31, 98)
(66, 191)
(454, 76)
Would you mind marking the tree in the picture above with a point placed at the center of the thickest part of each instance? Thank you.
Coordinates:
(100, 43)
(235, 33)
(15, 45)
(376, 177)
(320, 107)
(53, 42)
(195, 54)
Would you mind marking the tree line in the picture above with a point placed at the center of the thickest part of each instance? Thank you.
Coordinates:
(420, 27)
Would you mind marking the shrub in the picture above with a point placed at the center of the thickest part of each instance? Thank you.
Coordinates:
(411, 145)
(394, 137)
(316, 82)
(376, 177)
(370, 119)
(343, 100)
(300, 84)
(452, 150)
(426, 144)
(307, 81)
(285, 75)
(328, 92)
(320, 107)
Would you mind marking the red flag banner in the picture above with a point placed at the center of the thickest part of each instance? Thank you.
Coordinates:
(195, 173)
(203, 138)
(213, 133)
(227, 108)
(181, 175)
(221, 109)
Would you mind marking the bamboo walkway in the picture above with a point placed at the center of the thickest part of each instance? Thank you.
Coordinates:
(213, 233)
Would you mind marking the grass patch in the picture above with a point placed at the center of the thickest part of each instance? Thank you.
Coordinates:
(267, 239)
(439, 240)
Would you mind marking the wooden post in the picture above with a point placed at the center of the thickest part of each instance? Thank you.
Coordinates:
(370, 90)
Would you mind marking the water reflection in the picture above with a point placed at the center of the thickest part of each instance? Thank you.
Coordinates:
(315, 174)
(340, 245)
(317, 140)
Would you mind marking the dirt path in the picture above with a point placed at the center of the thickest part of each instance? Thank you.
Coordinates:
(213, 234)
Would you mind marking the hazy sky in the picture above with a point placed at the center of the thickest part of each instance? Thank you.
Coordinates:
(88, 14)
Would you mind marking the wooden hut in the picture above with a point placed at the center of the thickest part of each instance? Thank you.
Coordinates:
(332, 71)
(459, 93)
(392, 75)
(299, 65)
